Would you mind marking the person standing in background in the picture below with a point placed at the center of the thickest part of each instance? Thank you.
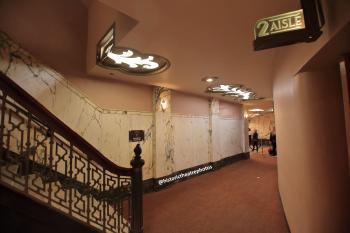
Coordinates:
(273, 142)
(255, 140)
(250, 136)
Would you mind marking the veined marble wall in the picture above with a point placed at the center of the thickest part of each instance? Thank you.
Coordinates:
(163, 142)
(173, 142)
(191, 134)
(228, 134)
(231, 140)
(107, 130)
(184, 141)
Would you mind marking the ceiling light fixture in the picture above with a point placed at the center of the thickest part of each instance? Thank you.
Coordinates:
(210, 79)
(127, 60)
(238, 92)
(256, 110)
(163, 105)
(246, 115)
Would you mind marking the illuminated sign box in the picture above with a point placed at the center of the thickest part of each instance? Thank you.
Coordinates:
(279, 30)
(290, 21)
(289, 28)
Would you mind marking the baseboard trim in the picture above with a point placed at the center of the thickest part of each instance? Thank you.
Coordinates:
(157, 184)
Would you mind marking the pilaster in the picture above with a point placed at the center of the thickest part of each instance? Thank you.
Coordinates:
(214, 130)
(163, 137)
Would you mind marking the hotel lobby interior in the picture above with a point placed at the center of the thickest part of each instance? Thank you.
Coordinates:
(180, 116)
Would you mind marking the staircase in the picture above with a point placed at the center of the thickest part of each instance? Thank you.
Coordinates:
(44, 161)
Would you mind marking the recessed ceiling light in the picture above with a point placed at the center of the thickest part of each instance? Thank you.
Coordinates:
(210, 79)
(256, 110)
(238, 92)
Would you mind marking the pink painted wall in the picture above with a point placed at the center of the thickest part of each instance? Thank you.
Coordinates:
(188, 104)
(52, 31)
(231, 110)
(110, 94)
(55, 32)
(312, 157)
(345, 77)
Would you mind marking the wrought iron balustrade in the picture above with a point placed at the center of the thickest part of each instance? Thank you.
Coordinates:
(47, 161)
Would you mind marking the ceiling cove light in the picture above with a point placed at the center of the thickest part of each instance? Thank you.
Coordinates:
(238, 92)
(256, 110)
(127, 60)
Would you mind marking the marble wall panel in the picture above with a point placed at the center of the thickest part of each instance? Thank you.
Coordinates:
(230, 137)
(115, 142)
(107, 130)
(163, 141)
(172, 142)
(191, 136)
(164, 148)
(227, 137)
(216, 139)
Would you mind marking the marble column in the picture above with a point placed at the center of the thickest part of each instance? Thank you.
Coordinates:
(163, 141)
(214, 130)
(245, 137)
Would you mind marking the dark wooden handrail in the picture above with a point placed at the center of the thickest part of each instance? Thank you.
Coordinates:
(50, 120)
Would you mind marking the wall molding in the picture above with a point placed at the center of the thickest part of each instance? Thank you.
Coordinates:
(153, 184)
(190, 116)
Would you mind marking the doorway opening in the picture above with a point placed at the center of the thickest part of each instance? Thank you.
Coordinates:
(261, 127)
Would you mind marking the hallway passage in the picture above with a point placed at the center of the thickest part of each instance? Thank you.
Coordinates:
(239, 198)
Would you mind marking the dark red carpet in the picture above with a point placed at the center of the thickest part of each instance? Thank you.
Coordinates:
(241, 198)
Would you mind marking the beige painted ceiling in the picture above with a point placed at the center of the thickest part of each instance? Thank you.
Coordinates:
(201, 38)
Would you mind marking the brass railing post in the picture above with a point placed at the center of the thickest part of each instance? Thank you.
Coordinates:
(137, 192)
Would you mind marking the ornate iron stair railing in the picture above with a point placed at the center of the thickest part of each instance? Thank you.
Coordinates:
(47, 161)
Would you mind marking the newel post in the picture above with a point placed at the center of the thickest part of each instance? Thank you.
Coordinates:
(137, 191)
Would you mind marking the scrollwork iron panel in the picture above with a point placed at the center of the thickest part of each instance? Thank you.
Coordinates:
(42, 164)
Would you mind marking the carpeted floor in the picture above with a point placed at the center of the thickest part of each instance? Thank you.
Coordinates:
(239, 198)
